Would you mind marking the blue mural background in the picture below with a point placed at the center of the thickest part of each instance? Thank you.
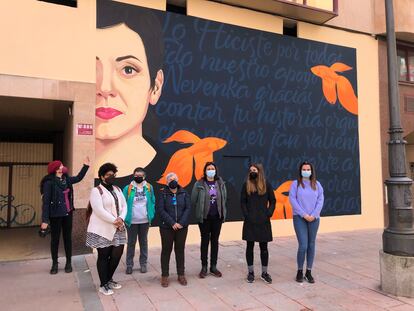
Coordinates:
(255, 90)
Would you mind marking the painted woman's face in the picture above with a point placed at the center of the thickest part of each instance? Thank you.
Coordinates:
(122, 82)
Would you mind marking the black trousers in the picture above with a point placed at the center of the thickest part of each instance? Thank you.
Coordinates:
(264, 253)
(108, 260)
(210, 232)
(170, 237)
(58, 225)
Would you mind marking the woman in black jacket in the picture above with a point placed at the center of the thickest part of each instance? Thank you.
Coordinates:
(57, 209)
(258, 204)
(173, 210)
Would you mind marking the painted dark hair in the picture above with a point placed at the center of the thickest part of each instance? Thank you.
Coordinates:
(205, 169)
(312, 177)
(142, 21)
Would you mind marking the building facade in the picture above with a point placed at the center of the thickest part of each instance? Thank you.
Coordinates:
(49, 87)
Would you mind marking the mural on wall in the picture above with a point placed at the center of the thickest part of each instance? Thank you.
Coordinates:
(201, 151)
(174, 92)
(335, 86)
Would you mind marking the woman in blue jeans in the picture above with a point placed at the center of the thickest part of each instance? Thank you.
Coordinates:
(306, 197)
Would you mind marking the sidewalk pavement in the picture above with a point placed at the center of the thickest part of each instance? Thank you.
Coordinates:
(346, 270)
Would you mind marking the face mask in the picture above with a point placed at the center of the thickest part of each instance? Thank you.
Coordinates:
(110, 180)
(173, 184)
(211, 173)
(253, 175)
(306, 174)
(139, 179)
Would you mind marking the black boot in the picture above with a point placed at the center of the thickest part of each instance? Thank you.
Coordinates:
(309, 277)
(299, 276)
(68, 267)
(54, 268)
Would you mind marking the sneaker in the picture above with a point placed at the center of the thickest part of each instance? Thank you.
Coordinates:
(203, 272)
(299, 276)
(214, 271)
(106, 290)
(309, 277)
(68, 267)
(54, 268)
(114, 285)
(266, 277)
(143, 269)
(250, 277)
(128, 270)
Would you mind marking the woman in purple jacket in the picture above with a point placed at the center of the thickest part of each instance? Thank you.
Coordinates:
(306, 197)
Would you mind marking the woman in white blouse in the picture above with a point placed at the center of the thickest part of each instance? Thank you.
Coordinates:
(106, 231)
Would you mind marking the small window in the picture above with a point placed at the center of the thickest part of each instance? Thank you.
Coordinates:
(290, 28)
(405, 63)
(71, 3)
(179, 9)
(409, 103)
(411, 65)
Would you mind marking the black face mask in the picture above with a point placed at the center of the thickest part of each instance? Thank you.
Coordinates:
(110, 180)
(173, 184)
(253, 175)
(139, 179)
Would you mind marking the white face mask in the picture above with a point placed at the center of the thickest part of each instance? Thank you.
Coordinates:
(306, 174)
(211, 173)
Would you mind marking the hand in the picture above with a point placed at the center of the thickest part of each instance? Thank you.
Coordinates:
(179, 226)
(118, 222)
(86, 161)
(309, 218)
(176, 226)
(44, 226)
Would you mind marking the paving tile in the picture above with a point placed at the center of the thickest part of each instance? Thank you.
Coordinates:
(376, 298)
(277, 301)
(343, 282)
(178, 304)
(402, 308)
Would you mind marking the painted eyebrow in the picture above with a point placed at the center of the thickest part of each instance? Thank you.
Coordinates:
(121, 58)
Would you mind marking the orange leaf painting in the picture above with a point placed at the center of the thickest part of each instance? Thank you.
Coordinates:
(182, 162)
(336, 87)
(283, 208)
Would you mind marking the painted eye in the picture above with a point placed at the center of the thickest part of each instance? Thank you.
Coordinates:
(128, 70)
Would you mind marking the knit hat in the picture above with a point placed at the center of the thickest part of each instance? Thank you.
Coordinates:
(53, 166)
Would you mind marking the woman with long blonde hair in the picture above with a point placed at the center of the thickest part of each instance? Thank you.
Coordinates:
(258, 204)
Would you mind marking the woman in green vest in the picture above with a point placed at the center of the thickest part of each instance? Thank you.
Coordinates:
(140, 198)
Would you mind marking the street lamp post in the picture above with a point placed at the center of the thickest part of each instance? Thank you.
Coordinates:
(397, 256)
(398, 237)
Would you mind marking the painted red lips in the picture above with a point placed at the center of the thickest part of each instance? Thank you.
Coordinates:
(107, 113)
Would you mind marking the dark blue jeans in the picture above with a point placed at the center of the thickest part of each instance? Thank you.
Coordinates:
(306, 235)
